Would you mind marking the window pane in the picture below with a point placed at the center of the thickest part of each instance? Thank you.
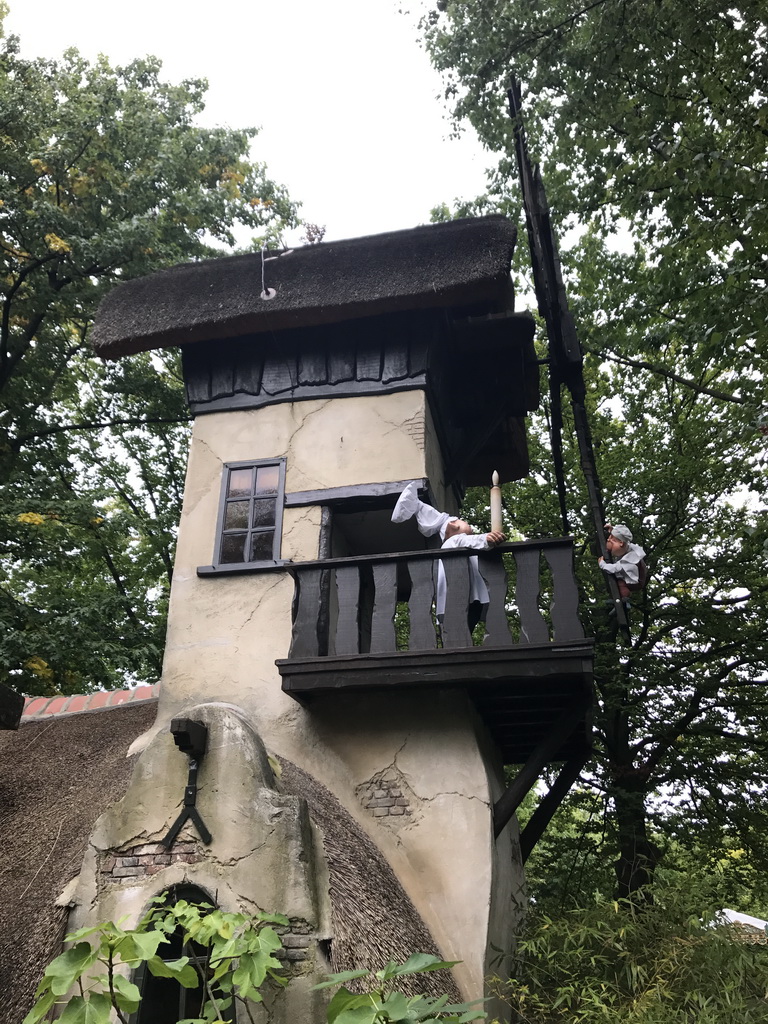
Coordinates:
(236, 515)
(232, 547)
(261, 546)
(161, 1000)
(239, 483)
(267, 479)
(264, 512)
(192, 1001)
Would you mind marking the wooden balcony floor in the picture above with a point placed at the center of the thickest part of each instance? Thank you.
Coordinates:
(520, 691)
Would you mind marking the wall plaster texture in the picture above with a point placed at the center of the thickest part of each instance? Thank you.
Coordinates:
(225, 633)
(265, 854)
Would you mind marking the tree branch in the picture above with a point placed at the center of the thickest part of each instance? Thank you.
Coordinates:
(99, 425)
(553, 28)
(6, 318)
(661, 371)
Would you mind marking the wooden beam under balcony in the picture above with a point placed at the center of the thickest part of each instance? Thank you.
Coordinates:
(480, 667)
(519, 692)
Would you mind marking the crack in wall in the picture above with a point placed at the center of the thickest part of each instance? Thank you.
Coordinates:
(230, 862)
(434, 796)
(415, 427)
(275, 581)
(462, 796)
(304, 418)
(204, 443)
(194, 492)
(387, 795)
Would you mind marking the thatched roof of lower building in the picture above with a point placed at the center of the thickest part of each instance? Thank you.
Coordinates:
(57, 775)
(61, 771)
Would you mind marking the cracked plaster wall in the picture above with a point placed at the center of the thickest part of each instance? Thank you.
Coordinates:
(443, 853)
(225, 633)
(265, 854)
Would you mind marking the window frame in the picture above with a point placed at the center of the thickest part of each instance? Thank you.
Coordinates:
(223, 567)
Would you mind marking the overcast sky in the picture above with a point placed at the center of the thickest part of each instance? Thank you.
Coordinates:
(349, 106)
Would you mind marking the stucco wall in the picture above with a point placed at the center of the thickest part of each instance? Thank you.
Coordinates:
(226, 632)
(264, 854)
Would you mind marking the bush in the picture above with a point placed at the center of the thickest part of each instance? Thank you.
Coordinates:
(663, 960)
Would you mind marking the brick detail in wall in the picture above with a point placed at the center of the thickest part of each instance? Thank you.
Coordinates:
(138, 862)
(415, 428)
(297, 938)
(383, 795)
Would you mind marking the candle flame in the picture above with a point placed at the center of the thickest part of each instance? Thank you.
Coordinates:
(495, 479)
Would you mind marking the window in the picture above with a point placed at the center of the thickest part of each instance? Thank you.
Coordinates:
(251, 513)
(164, 1000)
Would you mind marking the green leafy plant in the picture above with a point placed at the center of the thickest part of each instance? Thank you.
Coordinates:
(381, 1003)
(230, 957)
(669, 960)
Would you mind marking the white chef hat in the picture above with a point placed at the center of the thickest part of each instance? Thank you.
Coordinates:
(428, 519)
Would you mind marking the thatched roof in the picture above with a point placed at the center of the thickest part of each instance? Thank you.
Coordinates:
(373, 919)
(440, 265)
(57, 775)
(59, 772)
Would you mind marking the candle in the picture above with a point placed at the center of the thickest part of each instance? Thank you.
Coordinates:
(496, 523)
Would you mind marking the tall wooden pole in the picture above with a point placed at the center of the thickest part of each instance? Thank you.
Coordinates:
(565, 356)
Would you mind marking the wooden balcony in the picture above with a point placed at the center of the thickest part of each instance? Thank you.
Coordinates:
(368, 623)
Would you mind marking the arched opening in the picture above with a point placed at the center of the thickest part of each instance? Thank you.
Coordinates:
(164, 1000)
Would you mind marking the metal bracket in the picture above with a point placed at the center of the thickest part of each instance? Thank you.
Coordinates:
(191, 738)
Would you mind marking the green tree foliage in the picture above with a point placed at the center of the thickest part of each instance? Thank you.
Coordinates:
(105, 175)
(650, 120)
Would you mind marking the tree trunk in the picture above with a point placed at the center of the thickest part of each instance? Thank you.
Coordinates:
(638, 856)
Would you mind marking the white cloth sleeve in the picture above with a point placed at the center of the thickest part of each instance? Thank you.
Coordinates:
(477, 588)
(428, 519)
(627, 566)
(467, 540)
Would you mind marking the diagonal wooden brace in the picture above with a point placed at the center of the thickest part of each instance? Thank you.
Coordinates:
(545, 752)
(542, 816)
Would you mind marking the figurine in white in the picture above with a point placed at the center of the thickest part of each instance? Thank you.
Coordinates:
(627, 566)
(454, 533)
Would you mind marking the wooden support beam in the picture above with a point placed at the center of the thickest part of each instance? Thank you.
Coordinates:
(542, 754)
(542, 816)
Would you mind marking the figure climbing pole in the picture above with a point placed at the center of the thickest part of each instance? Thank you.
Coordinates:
(566, 361)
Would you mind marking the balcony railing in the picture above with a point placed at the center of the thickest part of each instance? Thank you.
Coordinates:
(369, 624)
(384, 604)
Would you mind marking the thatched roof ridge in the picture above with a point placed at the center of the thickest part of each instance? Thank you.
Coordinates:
(41, 707)
(438, 265)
